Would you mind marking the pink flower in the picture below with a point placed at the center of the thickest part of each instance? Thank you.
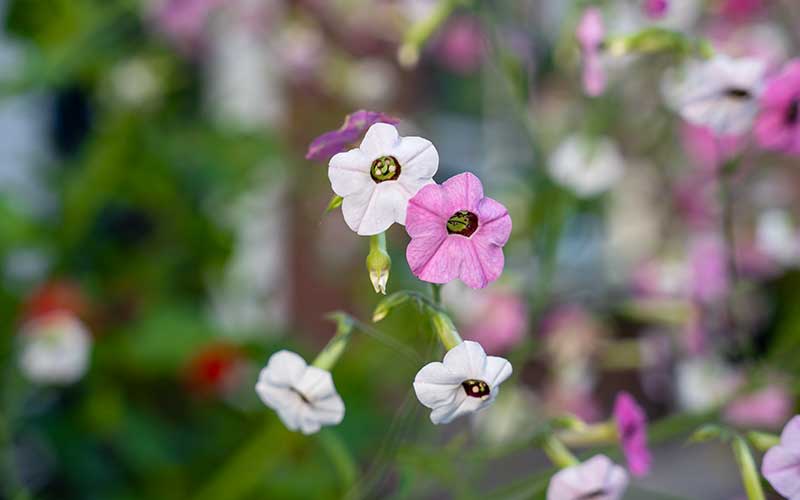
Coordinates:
(590, 34)
(632, 428)
(741, 10)
(655, 9)
(709, 268)
(185, 20)
(707, 149)
(342, 139)
(766, 408)
(781, 465)
(499, 323)
(597, 478)
(462, 45)
(778, 126)
(456, 233)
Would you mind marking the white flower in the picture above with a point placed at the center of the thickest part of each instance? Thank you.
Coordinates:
(777, 238)
(597, 478)
(586, 166)
(466, 381)
(303, 396)
(378, 178)
(55, 349)
(721, 93)
(705, 383)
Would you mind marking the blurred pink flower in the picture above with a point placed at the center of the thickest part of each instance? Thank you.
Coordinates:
(500, 322)
(778, 126)
(456, 233)
(781, 465)
(632, 429)
(461, 46)
(767, 408)
(655, 9)
(741, 10)
(185, 21)
(570, 334)
(597, 478)
(577, 399)
(590, 34)
(695, 199)
(707, 149)
(344, 138)
(709, 268)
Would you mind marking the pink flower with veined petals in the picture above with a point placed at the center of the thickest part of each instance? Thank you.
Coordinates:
(590, 33)
(456, 233)
(778, 126)
(632, 428)
(781, 465)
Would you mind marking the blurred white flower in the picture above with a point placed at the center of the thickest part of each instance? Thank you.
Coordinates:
(704, 383)
(466, 381)
(720, 93)
(370, 81)
(135, 82)
(597, 479)
(303, 396)
(378, 178)
(587, 166)
(777, 237)
(55, 349)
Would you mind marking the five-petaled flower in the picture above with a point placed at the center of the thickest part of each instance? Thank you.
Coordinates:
(377, 179)
(781, 465)
(456, 233)
(466, 381)
(778, 126)
(303, 396)
(632, 429)
(597, 479)
(721, 93)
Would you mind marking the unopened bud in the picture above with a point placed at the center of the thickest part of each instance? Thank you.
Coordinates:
(378, 263)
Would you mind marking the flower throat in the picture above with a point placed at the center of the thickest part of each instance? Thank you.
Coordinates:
(385, 168)
(462, 222)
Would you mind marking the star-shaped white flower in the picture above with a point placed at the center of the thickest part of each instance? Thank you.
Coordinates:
(377, 179)
(55, 349)
(597, 479)
(587, 166)
(303, 396)
(466, 381)
(721, 93)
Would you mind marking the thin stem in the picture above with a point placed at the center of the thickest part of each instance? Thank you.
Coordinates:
(558, 453)
(436, 294)
(329, 355)
(747, 467)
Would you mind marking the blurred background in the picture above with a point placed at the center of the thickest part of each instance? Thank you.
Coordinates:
(156, 206)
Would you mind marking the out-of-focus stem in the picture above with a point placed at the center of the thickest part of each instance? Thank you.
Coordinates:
(328, 357)
(558, 453)
(445, 330)
(419, 33)
(747, 467)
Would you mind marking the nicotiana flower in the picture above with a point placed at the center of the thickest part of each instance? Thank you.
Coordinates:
(456, 233)
(781, 465)
(778, 126)
(345, 137)
(56, 349)
(467, 380)
(587, 166)
(597, 479)
(590, 34)
(632, 429)
(655, 9)
(303, 396)
(767, 408)
(720, 93)
(378, 178)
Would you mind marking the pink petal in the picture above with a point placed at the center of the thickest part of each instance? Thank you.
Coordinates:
(434, 259)
(463, 192)
(494, 223)
(430, 201)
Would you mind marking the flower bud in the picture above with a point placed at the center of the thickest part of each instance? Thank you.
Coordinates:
(445, 330)
(378, 263)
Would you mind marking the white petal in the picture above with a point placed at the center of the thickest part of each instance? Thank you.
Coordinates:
(462, 405)
(467, 360)
(355, 206)
(380, 140)
(349, 173)
(328, 411)
(315, 384)
(284, 369)
(436, 386)
(418, 158)
(386, 206)
(497, 371)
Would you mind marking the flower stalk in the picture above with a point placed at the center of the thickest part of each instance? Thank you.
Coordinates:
(445, 330)
(558, 453)
(331, 353)
(747, 467)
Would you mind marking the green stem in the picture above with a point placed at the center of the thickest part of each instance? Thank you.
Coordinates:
(558, 453)
(419, 33)
(445, 330)
(763, 441)
(436, 294)
(750, 476)
(329, 355)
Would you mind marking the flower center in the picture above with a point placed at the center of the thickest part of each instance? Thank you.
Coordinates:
(462, 222)
(592, 494)
(385, 168)
(476, 388)
(302, 396)
(793, 113)
(738, 93)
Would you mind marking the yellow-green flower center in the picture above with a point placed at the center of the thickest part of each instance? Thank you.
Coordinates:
(385, 168)
(462, 222)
